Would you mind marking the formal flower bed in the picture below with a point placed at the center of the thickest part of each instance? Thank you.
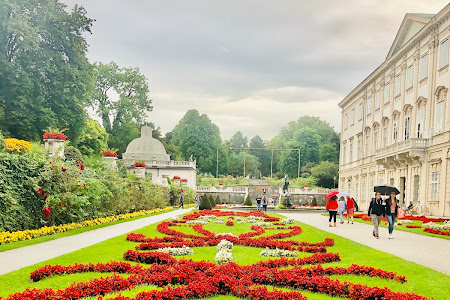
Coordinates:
(413, 226)
(278, 253)
(437, 231)
(177, 251)
(10, 237)
(188, 279)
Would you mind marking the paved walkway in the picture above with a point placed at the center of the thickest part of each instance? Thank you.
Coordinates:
(26, 256)
(424, 250)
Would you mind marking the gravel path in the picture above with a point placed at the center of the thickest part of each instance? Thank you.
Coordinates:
(428, 251)
(26, 256)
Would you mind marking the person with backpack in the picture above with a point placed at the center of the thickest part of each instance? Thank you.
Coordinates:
(376, 210)
(341, 208)
(181, 199)
(258, 203)
(332, 207)
(264, 203)
(350, 209)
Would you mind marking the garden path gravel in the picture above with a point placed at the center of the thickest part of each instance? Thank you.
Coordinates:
(428, 251)
(15, 259)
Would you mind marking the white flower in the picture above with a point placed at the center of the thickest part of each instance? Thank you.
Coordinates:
(224, 244)
(263, 224)
(219, 221)
(445, 226)
(202, 222)
(240, 220)
(287, 221)
(224, 256)
(278, 253)
(207, 217)
(226, 233)
(176, 218)
(177, 251)
(253, 219)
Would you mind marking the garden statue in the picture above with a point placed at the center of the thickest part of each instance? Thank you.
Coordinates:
(286, 184)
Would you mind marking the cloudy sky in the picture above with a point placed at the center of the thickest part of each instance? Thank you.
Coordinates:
(250, 65)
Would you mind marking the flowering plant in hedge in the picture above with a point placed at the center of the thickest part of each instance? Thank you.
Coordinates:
(17, 146)
(278, 253)
(139, 164)
(177, 251)
(54, 135)
(109, 153)
(287, 221)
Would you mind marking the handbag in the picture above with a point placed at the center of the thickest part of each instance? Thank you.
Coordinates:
(400, 213)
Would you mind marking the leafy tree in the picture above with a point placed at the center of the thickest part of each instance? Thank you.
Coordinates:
(123, 135)
(2, 142)
(328, 152)
(263, 156)
(196, 135)
(205, 204)
(45, 77)
(238, 140)
(324, 173)
(236, 163)
(130, 105)
(93, 139)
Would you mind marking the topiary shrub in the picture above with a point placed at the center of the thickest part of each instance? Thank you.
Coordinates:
(314, 202)
(218, 200)
(211, 200)
(248, 201)
(205, 204)
(71, 154)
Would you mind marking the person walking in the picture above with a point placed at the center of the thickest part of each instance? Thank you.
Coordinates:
(197, 201)
(258, 203)
(181, 199)
(341, 208)
(332, 207)
(391, 212)
(350, 209)
(376, 210)
(264, 203)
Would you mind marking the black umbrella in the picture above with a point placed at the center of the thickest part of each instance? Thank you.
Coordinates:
(386, 190)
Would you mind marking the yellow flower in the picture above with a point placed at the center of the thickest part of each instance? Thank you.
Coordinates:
(10, 237)
(18, 146)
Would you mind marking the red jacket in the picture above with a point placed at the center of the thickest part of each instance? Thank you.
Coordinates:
(332, 204)
(350, 203)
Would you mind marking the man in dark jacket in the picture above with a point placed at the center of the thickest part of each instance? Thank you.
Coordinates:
(376, 210)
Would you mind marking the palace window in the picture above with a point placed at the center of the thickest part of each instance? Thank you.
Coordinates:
(351, 152)
(407, 127)
(439, 117)
(395, 129)
(385, 135)
(358, 153)
(434, 186)
(369, 105)
(355, 196)
(345, 121)
(443, 57)
(398, 82)
(423, 67)
(363, 189)
(409, 76)
(386, 93)
(375, 142)
(420, 122)
(344, 154)
(377, 99)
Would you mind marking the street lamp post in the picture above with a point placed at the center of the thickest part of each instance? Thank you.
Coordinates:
(334, 181)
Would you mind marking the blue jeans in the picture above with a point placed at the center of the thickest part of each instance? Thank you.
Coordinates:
(341, 215)
(391, 220)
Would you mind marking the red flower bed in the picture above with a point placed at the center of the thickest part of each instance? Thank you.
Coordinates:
(109, 153)
(54, 136)
(199, 279)
(437, 231)
(230, 223)
(413, 226)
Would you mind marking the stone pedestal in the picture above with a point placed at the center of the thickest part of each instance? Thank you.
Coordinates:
(177, 182)
(110, 159)
(54, 147)
(286, 200)
(139, 173)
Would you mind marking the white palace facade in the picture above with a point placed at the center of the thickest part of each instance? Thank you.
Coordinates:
(396, 123)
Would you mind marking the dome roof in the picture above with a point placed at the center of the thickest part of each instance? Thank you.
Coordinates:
(146, 146)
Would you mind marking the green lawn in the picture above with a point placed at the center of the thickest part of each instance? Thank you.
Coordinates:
(45, 238)
(421, 280)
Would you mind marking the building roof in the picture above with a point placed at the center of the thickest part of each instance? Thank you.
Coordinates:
(146, 145)
(412, 23)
